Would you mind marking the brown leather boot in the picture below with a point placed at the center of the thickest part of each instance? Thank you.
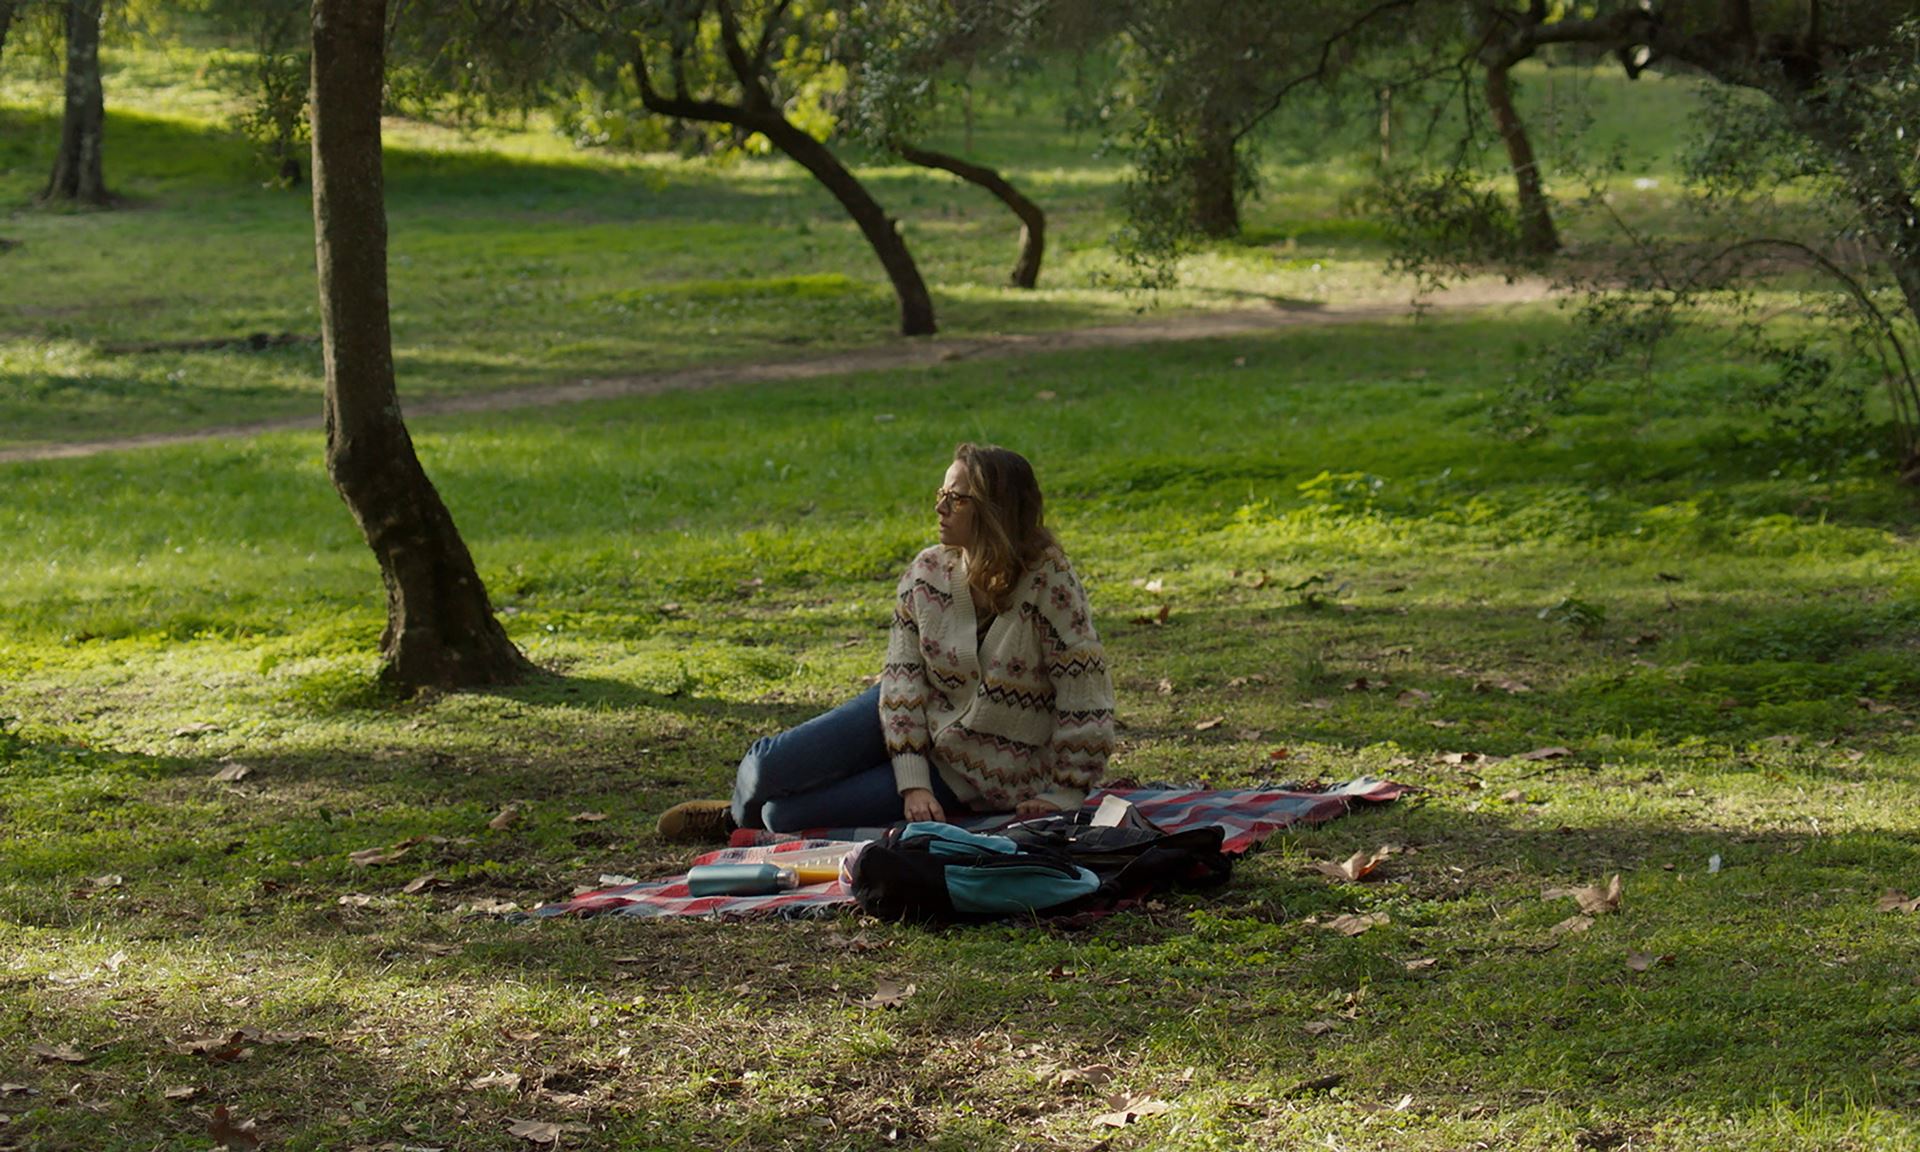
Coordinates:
(697, 822)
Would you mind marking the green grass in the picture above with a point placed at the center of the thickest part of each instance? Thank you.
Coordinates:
(1717, 622)
(702, 568)
(517, 261)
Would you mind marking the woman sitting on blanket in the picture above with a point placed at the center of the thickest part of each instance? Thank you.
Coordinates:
(994, 696)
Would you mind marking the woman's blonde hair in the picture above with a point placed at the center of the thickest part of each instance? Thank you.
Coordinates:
(1009, 524)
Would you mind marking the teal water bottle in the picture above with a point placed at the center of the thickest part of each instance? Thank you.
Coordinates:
(739, 879)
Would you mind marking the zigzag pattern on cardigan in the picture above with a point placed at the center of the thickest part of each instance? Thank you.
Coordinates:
(941, 594)
(1007, 694)
(971, 701)
(1077, 666)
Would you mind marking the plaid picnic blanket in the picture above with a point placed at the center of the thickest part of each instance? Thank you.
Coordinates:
(1248, 815)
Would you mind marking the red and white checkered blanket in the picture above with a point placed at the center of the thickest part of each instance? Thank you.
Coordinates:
(1248, 815)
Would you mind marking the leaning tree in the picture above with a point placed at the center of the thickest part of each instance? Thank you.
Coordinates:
(441, 630)
(901, 52)
(748, 68)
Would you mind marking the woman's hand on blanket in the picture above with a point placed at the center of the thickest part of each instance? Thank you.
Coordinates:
(920, 804)
(1033, 809)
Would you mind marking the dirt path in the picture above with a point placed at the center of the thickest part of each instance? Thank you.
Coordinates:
(898, 353)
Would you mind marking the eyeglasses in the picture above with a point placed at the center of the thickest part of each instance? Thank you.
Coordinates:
(945, 496)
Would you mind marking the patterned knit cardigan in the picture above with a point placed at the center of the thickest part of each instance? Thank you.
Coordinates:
(1025, 712)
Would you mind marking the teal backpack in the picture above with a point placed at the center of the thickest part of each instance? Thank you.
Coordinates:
(930, 872)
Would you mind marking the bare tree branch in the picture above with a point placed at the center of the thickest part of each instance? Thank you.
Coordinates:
(1322, 66)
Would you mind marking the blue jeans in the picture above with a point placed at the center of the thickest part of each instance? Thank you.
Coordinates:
(831, 772)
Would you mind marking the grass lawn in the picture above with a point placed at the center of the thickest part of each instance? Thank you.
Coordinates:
(1715, 622)
(1726, 650)
(517, 260)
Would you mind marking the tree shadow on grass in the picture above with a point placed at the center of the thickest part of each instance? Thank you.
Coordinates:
(601, 693)
(1777, 980)
(1526, 1008)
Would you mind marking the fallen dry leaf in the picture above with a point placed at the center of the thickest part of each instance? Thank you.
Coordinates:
(197, 728)
(183, 1092)
(1209, 723)
(1320, 703)
(888, 994)
(487, 907)
(505, 819)
(1423, 963)
(233, 773)
(858, 942)
(541, 1131)
(1319, 1027)
(1155, 585)
(1596, 901)
(1642, 961)
(1460, 757)
(510, 1080)
(1413, 698)
(1505, 684)
(1593, 899)
(1358, 866)
(59, 1054)
(1092, 1075)
(586, 817)
(110, 880)
(12, 1089)
(1574, 923)
(1896, 901)
(225, 1047)
(1375, 1107)
(355, 900)
(1351, 925)
(1165, 687)
(1553, 753)
(1874, 706)
(422, 883)
(234, 1137)
(1128, 1108)
(367, 857)
(270, 1036)
(1512, 796)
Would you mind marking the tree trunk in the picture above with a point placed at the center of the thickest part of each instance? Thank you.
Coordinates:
(916, 306)
(440, 627)
(1033, 222)
(77, 171)
(7, 9)
(1214, 169)
(1537, 234)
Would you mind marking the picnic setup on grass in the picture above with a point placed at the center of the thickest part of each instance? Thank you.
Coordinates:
(1124, 845)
